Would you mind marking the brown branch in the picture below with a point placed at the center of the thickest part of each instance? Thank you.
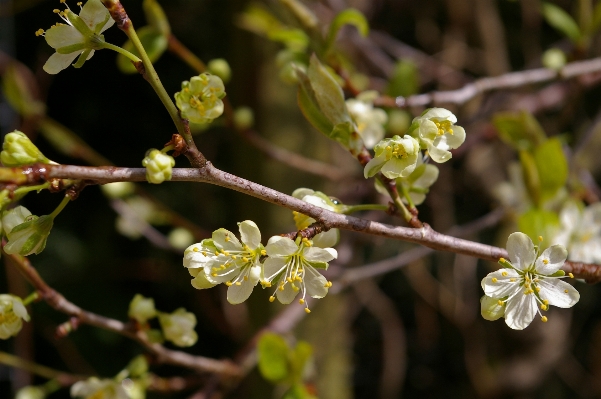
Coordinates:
(480, 86)
(162, 354)
(425, 235)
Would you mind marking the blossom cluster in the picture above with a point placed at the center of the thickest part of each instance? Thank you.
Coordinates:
(398, 157)
(291, 266)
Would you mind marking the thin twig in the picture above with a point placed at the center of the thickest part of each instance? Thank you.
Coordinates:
(507, 81)
(162, 354)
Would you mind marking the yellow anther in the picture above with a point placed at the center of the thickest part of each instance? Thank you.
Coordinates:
(228, 283)
(195, 249)
(79, 3)
(540, 238)
(546, 301)
(288, 279)
(544, 307)
(566, 291)
(216, 253)
(238, 283)
(245, 278)
(295, 288)
(301, 301)
(39, 32)
(512, 280)
(298, 278)
(500, 302)
(546, 261)
(544, 319)
(227, 239)
(204, 253)
(214, 274)
(281, 287)
(504, 274)
(307, 310)
(245, 259)
(56, 11)
(537, 289)
(263, 252)
(502, 260)
(271, 298)
(571, 275)
(494, 280)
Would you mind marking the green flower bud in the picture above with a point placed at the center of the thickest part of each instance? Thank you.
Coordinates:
(119, 189)
(180, 238)
(142, 309)
(221, 68)
(178, 327)
(244, 118)
(200, 98)
(138, 366)
(158, 166)
(12, 314)
(18, 150)
(14, 217)
(554, 58)
(29, 237)
(31, 392)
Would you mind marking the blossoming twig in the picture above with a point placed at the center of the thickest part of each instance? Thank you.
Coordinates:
(163, 355)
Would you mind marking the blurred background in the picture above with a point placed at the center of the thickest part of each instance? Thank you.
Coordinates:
(414, 331)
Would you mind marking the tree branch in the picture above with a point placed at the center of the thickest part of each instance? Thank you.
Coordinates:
(507, 81)
(425, 235)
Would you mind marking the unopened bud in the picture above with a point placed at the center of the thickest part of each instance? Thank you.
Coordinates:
(18, 150)
(158, 166)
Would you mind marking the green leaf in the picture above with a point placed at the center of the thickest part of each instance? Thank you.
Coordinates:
(519, 129)
(562, 21)
(531, 178)
(258, 20)
(349, 16)
(294, 39)
(552, 167)
(154, 42)
(537, 222)
(273, 357)
(309, 106)
(328, 92)
(303, 14)
(17, 91)
(300, 356)
(404, 81)
(156, 17)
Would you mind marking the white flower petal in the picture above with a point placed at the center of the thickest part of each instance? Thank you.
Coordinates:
(288, 294)
(427, 130)
(457, 138)
(439, 114)
(558, 293)
(374, 166)
(551, 259)
(273, 266)
(250, 234)
(93, 13)
(439, 155)
(314, 254)
(496, 285)
(520, 311)
(521, 250)
(201, 282)
(490, 308)
(239, 293)
(57, 62)
(62, 36)
(226, 240)
(280, 246)
(315, 283)
(326, 239)
(20, 310)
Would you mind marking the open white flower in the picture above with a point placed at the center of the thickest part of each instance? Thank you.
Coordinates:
(293, 265)
(80, 37)
(12, 314)
(327, 238)
(437, 130)
(527, 281)
(395, 157)
(370, 121)
(95, 388)
(224, 259)
(580, 232)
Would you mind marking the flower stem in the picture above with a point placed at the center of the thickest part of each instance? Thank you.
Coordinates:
(167, 149)
(30, 298)
(153, 78)
(365, 207)
(25, 190)
(407, 196)
(394, 195)
(60, 206)
(121, 51)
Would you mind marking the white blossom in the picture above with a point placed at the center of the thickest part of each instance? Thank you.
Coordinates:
(12, 314)
(178, 327)
(95, 388)
(580, 232)
(437, 130)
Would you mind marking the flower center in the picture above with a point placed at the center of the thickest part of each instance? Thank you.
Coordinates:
(444, 127)
(396, 150)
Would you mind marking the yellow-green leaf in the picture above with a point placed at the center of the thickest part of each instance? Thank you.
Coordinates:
(562, 21)
(349, 16)
(273, 357)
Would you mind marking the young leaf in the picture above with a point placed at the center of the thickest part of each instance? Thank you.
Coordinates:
(309, 106)
(404, 81)
(562, 21)
(156, 16)
(349, 16)
(552, 167)
(273, 357)
(328, 92)
(519, 129)
(537, 222)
